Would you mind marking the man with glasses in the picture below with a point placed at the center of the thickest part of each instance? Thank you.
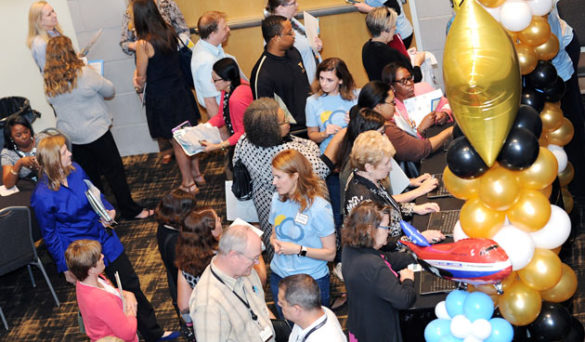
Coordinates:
(228, 302)
(280, 73)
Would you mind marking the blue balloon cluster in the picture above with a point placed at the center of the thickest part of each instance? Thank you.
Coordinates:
(465, 316)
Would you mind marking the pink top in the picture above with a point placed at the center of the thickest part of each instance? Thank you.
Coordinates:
(239, 101)
(103, 314)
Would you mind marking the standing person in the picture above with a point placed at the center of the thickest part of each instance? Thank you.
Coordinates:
(77, 94)
(42, 25)
(267, 133)
(376, 53)
(168, 100)
(378, 284)
(228, 302)
(288, 9)
(104, 310)
(300, 302)
(65, 215)
(303, 232)
(403, 26)
(280, 73)
(18, 154)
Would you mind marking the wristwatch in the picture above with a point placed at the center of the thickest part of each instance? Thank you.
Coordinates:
(303, 251)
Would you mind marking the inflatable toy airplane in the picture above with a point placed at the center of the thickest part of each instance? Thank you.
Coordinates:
(473, 261)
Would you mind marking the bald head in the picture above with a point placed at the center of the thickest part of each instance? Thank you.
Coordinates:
(239, 250)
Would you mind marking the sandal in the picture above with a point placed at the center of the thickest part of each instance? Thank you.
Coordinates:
(167, 158)
(199, 179)
(144, 214)
(339, 302)
(191, 188)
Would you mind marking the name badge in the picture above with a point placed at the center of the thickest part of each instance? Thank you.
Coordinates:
(266, 334)
(301, 218)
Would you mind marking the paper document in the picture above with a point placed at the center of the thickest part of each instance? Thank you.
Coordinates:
(93, 195)
(97, 65)
(311, 29)
(238, 209)
(398, 179)
(119, 284)
(419, 106)
(7, 192)
(190, 137)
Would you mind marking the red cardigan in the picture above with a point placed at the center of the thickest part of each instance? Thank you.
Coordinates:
(103, 314)
(239, 101)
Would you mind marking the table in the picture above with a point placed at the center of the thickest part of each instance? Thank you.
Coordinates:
(22, 198)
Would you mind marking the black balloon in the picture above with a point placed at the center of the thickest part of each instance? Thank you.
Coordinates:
(533, 99)
(528, 118)
(553, 323)
(463, 160)
(457, 132)
(520, 149)
(544, 75)
(576, 333)
(556, 91)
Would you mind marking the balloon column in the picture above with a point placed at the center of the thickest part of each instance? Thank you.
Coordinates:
(510, 154)
(465, 316)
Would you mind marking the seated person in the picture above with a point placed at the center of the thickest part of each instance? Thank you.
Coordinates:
(300, 301)
(103, 309)
(398, 76)
(18, 154)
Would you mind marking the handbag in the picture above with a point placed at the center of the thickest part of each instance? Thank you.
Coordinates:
(185, 54)
(242, 185)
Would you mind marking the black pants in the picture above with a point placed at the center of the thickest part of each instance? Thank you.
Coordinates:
(147, 323)
(101, 157)
(167, 241)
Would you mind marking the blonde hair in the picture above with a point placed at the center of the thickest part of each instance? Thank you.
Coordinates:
(370, 147)
(35, 14)
(381, 19)
(49, 158)
(309, 186)
(62, 67)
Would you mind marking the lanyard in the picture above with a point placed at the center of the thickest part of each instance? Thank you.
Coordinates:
(315, 328)
(245, 302)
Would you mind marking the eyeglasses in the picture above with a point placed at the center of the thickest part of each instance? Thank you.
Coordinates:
(215, 80)
(404, 81)
(255, 259)
(384, 227)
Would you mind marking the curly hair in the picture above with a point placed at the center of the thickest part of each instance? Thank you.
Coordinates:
(12, 121)
(361, 120)
(174, 206)
(196, 245)
(309, 186)
(61, 67)
(371, 148)
(361, 223)
(347, 86)
(261, 123)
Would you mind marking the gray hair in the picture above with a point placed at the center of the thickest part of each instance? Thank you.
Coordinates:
(381, 19)
(302, 290)
(233, 239)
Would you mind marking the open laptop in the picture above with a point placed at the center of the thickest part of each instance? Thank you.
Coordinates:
(440, 190)
(430, 283)
(444, 221)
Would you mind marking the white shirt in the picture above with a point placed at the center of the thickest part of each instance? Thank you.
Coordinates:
(330, 331)
(204, 56)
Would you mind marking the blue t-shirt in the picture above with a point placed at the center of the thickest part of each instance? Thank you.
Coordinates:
(319, 218)
(324, 110)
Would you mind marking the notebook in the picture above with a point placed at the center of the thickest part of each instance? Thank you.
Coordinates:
(430, 283)
(440, 190)
(444, 221)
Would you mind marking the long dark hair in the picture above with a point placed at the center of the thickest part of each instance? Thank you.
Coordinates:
(346, 88)
(360, 120)
(11, 122)
(174, 206)
(373, 94)
(196, 245)
(228, 70)
(151, 27)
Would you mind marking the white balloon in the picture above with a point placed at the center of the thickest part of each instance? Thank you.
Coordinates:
(458, 233)
(515, 15)
(517, 244)
(540, 7)
(561, 156)
(481, 328)
(472, 338)
(460, 326)
(555, 232)
(441, 310)
(493, 11)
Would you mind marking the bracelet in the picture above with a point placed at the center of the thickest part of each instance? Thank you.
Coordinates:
(12, 171)
(222, 146)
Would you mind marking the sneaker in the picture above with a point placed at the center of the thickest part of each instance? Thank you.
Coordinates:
(337, 271)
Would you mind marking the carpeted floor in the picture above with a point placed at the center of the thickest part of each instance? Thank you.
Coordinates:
(33, 316)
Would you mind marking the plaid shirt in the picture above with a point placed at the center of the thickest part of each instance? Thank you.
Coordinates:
(218, 315)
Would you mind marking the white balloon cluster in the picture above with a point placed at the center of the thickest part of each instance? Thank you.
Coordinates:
(561, 156)
(516, 15)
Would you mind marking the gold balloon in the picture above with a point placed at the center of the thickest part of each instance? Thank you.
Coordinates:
(567, 200)
(520, 305)
(537, 33)
(484, 84)
(564, 289)
(543, 140)
(527, 58)
(562, 135)
(498, 188)
(543, 271)
(461, 188)
(513, 37)
(549, 49)
(551, 116)
(567, 175)
(531, 212)
(492, 3)
(556, 250)
(541, 173)
(479, 221)
(547, 191)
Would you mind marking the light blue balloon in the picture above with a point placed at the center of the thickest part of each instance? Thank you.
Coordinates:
(478, 305)
(437, 329)
(502, 331)
(450, 338)
(454, 302)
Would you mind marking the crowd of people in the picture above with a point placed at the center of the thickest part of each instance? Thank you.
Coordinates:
(318, 149)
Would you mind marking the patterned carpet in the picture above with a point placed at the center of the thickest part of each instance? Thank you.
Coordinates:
(33, 316)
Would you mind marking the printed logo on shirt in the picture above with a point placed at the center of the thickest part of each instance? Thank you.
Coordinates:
(288, 229)
(333, 118)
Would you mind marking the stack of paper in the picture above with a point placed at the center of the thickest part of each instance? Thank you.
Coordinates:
(190, 137)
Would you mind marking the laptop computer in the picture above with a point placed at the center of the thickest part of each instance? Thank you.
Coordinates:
(440, 190)
(444, 221)
(430, 283)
